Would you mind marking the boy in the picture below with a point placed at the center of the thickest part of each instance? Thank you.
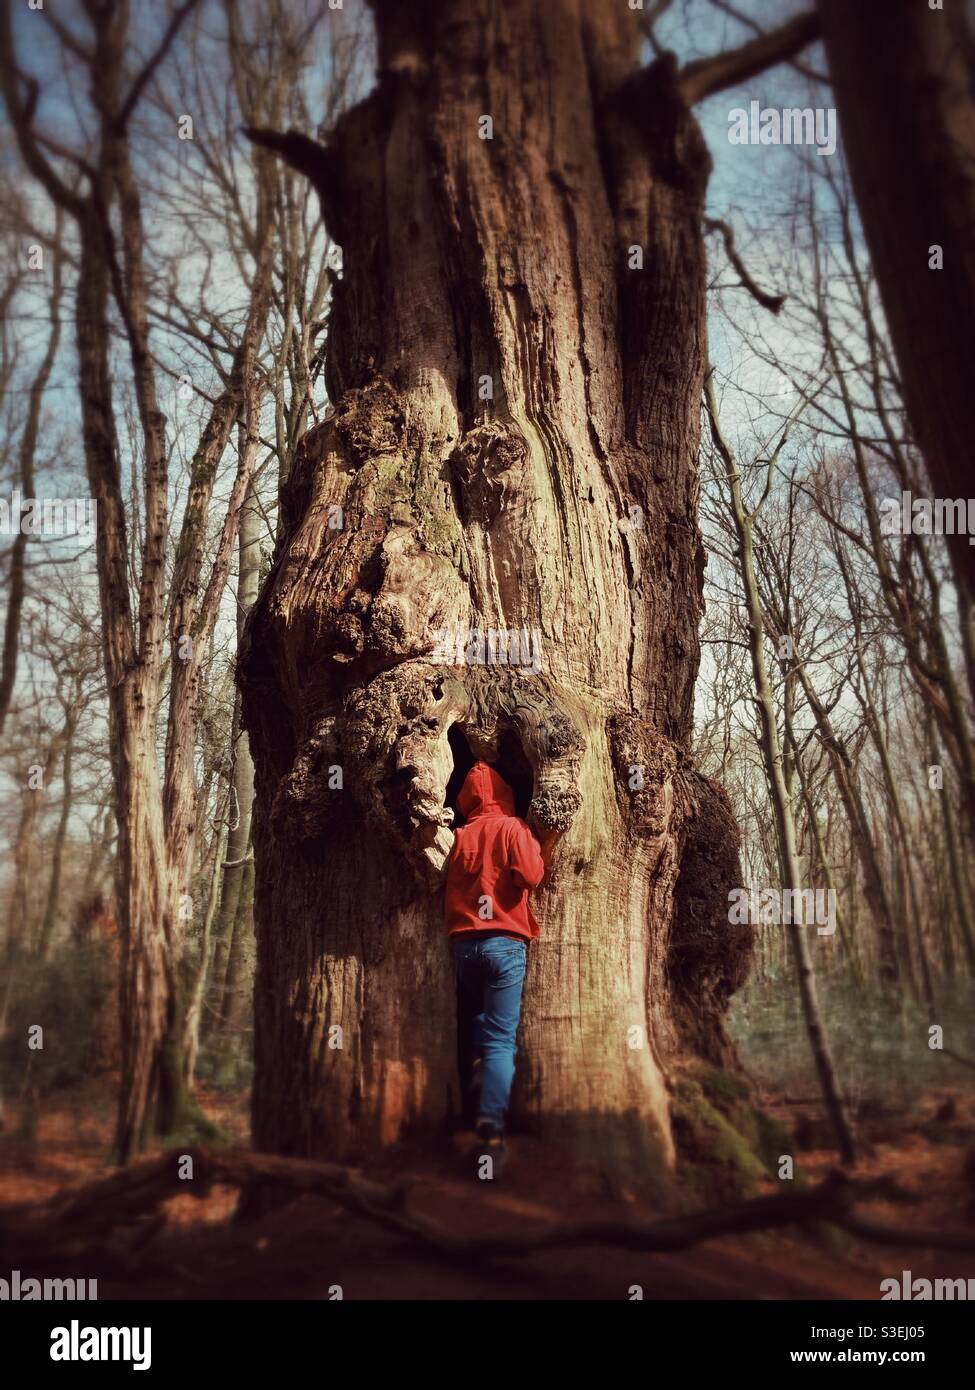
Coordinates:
(494, 862)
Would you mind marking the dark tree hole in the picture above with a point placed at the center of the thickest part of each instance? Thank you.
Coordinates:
(516, 770)
(463, 762)
(512, 764)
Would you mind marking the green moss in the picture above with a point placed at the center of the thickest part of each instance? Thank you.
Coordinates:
(410, 496)
(390, 481)
(196, 1127)
(439, 527)
(717, 1160)
(772, 1139)
(721, 1087)
(727, 1146)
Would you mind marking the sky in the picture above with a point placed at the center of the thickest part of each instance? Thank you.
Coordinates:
(753, 187)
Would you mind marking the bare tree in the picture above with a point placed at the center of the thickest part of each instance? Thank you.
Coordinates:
(156, 808)
(775, 767)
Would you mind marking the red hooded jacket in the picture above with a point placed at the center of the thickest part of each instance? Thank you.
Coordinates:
(494, 862)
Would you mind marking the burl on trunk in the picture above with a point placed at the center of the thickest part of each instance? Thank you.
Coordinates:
(516, 356)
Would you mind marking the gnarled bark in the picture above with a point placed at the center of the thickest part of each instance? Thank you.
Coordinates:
(565, 503)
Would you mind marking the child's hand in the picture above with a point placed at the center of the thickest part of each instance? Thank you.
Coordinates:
(547, 839)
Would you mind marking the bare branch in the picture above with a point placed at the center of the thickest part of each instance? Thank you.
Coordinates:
(706, 76)
(726, 8)
(21, 112)
(309, 157)
(773, 302)
(139, 85)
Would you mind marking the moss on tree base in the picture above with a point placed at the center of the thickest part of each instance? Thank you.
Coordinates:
(726, 1146)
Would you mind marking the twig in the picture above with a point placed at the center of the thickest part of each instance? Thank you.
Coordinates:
(957, 1057)
(773, 302)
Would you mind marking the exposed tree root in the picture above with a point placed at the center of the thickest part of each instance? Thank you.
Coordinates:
(133, 1194)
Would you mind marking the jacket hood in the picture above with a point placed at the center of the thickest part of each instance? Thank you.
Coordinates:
(485, 793)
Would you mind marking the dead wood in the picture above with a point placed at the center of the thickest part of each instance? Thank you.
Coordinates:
(133, 1194)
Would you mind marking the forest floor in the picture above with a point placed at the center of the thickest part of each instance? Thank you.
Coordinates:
(305, 1248)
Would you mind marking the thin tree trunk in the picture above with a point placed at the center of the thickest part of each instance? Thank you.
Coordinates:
(57, 852)
(781, 799)
(821, 856)
(239, 979)
(878, 899)
(961, 894)
(20, 912)
(16, 585)
(195, 990)
(101, 844)
(242, 777)
(878, 735)
(156, 810)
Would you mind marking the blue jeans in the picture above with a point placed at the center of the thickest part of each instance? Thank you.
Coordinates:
(490, 975)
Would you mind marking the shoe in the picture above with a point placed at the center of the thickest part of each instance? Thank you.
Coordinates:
(492, 1147)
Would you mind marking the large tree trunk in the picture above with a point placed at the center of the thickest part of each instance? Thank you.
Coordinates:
(909, 135)
(565, 503)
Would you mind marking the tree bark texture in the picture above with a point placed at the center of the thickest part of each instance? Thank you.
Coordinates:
(909, 135)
